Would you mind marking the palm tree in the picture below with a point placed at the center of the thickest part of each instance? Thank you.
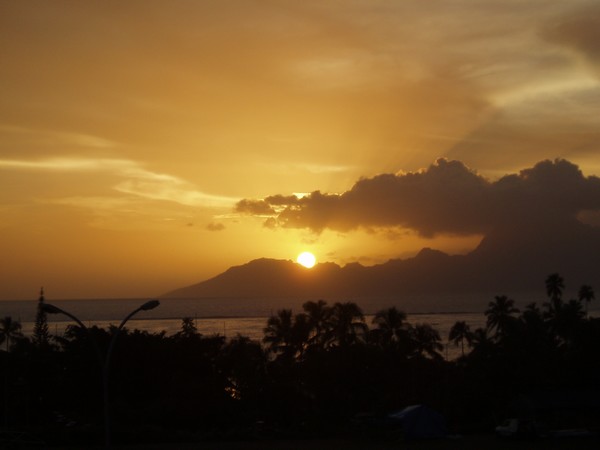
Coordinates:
(481, 342)
(278, 332)
(532, 309)
(9, 330)
(242, 361)
(426, 341)
(586, 294)
(392, 327)
(532, 316)
(499, 314)
(459, 333)
(286, 334)
(554, 288)
(346, 324)
(566, 321)
(391, 321)
(317, 314)
(301, 329)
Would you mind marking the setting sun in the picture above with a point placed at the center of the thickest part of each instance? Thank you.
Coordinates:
(307, 259)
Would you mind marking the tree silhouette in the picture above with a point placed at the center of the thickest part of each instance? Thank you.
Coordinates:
(346, 324)
(533, 335)
(41, 335)
(278, 332)
(481, 342)
(586, 295)
(426, 341)
(285, 334)
(499, 314)
(532, 317)
(242, 361)
(188, 329)
(554, 288)
(9, 330)
(317, 314)
(459, 333)
(532, 310)
(566, 321)
(392, 329)
(301, 329)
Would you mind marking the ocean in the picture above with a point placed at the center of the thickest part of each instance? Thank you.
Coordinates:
(225, 316)
(228, 317)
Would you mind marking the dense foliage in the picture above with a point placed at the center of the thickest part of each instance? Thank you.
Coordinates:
(314, 373)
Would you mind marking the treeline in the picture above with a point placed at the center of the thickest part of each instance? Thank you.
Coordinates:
(314, 373)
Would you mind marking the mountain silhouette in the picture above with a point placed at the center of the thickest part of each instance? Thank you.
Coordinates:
(514, 258)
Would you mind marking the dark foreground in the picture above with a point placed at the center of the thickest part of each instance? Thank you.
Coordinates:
(319, 379)
(476, 442)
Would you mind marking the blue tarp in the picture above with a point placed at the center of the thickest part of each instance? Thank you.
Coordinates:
(420, 422)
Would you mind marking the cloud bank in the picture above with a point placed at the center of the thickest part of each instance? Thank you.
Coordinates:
(446, 198)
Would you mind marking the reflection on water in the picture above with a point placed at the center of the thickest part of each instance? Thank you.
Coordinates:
(116, 309)
(226, 317)
(252, 327)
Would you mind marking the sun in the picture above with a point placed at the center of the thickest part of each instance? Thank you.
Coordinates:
(307, 259)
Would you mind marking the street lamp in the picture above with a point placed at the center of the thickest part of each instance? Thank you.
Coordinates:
(105, 364)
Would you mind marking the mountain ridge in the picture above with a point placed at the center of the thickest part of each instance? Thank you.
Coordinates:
(506, 260)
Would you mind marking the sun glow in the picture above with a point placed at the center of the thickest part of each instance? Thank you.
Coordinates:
(307, 259)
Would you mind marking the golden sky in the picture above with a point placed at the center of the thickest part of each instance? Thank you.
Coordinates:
(130, 130)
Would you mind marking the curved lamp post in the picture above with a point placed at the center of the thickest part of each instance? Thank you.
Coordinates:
(104, 363)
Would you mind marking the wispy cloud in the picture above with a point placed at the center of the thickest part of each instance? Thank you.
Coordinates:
(139, 181)
(174, 190)
(537, 90)
(63, 138)
(314, 168)
(121, 166)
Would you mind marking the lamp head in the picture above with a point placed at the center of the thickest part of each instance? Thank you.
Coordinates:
(50, 309)
(150, 305)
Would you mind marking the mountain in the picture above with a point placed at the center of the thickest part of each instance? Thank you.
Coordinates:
(268, 278)
(513, 259)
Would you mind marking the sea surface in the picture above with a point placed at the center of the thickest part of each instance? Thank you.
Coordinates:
(227, 317)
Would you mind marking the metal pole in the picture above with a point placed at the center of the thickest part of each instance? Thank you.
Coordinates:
(87, 330)
(105, 373)
(104, 364)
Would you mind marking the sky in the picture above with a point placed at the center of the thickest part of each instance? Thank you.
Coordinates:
(148, 145)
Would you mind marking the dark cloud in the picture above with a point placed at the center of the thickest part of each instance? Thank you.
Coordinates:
(271, 222)
(551, 190)
(254, 207)
(278, 200)
(579, 31)
(447, 197)
(215, 227)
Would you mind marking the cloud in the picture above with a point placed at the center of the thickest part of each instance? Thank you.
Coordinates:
(71, 164)
(121, 167)
(215, 226)
(254, 207)
(359, 89)
(17, 139)
(139, 181)
(304, 167)
(578, 31)
(175, 190)
(445, 198)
